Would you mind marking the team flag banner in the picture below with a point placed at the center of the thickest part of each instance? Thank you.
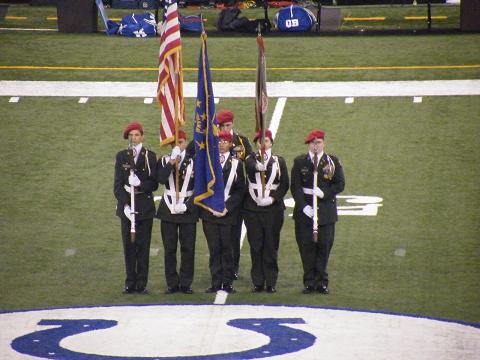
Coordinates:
(261, 97)
(209, 189)
(170, 76)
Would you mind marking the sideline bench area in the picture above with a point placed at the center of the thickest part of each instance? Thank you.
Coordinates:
(334, 16)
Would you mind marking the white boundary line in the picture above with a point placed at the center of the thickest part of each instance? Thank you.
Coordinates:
(245, 89)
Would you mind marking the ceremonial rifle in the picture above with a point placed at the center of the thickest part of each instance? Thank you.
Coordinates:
(315, 200)
(131, 162)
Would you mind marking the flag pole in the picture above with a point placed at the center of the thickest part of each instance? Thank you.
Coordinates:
(259, 98)
(177, 164)
(177, 170)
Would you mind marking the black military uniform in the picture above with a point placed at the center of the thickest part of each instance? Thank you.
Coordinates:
(136, 253)
(218, 230)
(265, 222)
(176, 227)
(241, 148)
(331, 181)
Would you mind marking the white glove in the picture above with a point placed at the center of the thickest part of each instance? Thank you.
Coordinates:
(266, 201)
(128, 212)
(133, 180)
(180, 208)
(260, 167)
(175, 153)
(318, 192)
(308, 210)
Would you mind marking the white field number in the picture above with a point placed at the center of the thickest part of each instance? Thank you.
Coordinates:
(356, 205)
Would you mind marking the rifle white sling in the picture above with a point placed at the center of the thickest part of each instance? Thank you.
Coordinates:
(231, 177)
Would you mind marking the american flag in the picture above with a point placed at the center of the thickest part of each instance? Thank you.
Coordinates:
(170, 77)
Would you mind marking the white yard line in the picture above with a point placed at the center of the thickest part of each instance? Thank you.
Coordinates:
(277, 115)
(245, 89)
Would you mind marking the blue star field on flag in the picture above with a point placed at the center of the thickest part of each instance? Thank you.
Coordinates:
(209, 187)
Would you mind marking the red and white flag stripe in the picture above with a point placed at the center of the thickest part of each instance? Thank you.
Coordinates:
(170, 77)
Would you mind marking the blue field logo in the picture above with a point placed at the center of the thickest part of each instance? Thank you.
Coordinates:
(230, 332)
(46, 343)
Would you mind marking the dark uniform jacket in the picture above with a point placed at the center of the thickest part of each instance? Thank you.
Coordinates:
(330, 184)
(237, 192)
(164, 170)
(145, 170)
(239, 143)
(281, 179)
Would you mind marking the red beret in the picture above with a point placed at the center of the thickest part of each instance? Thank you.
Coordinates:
(225, 135)
(224, 116)
(258, 135)
(314, 134)
(182, 135)
(132, 126)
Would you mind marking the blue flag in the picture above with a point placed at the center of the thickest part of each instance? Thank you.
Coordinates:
(209, 189)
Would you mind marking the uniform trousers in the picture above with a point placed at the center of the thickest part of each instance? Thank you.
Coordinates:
(172, 234)
(219, 239)
(236, 239)
(137, 254)
(314, 255)
(263, 230)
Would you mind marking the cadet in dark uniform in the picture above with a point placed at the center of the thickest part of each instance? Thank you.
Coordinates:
(143, 162)
(240, 149)
(217, 227)
(178, 217)
(330, 182)
(264, 211)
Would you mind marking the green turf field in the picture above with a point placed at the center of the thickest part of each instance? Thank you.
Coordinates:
(60, 240)
(420, 158)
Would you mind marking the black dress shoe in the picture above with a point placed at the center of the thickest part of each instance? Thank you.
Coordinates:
(323, 289)
(128, 290)
(171, 290)
(257, 288)
(271, 289)
(229, 289)
(186, 290)
(308, 290)
(212, 289)
(142, 291)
